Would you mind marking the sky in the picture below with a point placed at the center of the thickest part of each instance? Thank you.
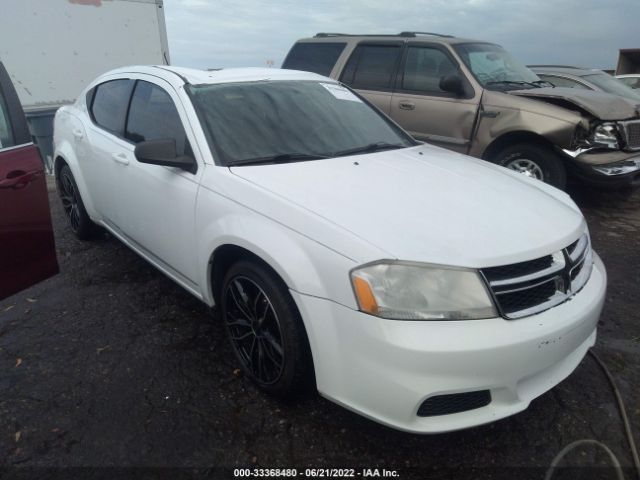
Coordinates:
(249, 33)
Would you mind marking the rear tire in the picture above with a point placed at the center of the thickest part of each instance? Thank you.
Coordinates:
(73, 206)
(535, 161)
(265, 329)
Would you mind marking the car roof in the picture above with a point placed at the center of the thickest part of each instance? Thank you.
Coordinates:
(193, 76)
(424, 36)
(565, 69)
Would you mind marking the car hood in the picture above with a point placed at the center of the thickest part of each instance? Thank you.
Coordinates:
(427, 204)
(602, 105)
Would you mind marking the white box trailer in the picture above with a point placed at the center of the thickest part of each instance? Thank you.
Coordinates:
(53, 48)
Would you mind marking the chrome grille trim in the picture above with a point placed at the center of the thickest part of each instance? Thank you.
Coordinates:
(558, 264)
(525, 295)
(632, 134)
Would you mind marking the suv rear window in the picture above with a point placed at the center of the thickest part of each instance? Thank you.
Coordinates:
(372, 66)
(314, 57)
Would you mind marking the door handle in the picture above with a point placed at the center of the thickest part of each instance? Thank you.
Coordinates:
(120, 158)
(17, 179)
(77, 133)
(407, 105)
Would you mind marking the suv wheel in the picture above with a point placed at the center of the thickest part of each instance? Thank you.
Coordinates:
(265, 329)
(73, 207)
(535, 161)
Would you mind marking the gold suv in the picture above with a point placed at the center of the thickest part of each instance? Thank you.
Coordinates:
(474, 97)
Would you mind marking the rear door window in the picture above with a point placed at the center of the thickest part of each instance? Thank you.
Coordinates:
(110, 102)
(372, 67)
(153, 116)
(314, 57)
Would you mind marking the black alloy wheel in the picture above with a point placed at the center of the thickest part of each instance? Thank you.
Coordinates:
(73, 206)
(254, 329)
(265, 328)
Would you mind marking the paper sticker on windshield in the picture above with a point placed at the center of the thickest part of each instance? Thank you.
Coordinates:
(340, 92)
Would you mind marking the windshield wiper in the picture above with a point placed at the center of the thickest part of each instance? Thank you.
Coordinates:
(544, 82)
(512, 82)
(279, 158)
(372, 147)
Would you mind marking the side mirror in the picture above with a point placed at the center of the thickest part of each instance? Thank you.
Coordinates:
(163, 152)
(452, 84)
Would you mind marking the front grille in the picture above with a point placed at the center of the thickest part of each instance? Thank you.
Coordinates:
(454, 403)
(526, 288)
(632, 134)
(517, 269)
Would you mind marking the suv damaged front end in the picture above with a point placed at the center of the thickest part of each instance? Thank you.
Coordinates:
(605, 148)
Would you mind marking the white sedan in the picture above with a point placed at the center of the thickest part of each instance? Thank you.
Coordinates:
(424, 289)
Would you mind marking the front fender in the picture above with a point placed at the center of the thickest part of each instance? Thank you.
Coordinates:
(305, 265)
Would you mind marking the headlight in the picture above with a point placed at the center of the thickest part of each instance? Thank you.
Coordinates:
(414, 291)
(605, 135)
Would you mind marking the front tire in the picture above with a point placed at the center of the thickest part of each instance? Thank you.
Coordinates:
(265, 329)
(73, 206)
(535, 161)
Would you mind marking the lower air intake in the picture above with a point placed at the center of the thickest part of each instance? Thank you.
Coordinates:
(454, 403)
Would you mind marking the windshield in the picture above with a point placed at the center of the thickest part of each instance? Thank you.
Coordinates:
(269, 121)
(612, 85)
(495, 68)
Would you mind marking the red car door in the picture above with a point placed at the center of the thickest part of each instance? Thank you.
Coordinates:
(27, 249)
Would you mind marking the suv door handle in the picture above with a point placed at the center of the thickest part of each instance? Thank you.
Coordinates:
(407, 106)
(120, 158)
(18, 179)
(77, 133)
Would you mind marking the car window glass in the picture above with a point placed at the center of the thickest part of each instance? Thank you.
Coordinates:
(314, 57)
(562, 82)
(110, 104)
(6, 133)
(631, 81)
(262, 119)
(153, 116)
(372, 66)
(424, 67)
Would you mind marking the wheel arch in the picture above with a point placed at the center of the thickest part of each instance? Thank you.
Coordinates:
(513, 138)
(302, 264)
(64, 155)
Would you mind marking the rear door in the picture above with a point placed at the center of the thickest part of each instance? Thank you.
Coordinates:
(27, 249)
(104, 162)
(371, 69)
(422, 108)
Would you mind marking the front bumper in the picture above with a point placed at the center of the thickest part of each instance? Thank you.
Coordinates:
(613, 169)
(385, 369)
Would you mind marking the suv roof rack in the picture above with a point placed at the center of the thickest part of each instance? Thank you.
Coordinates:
(415, 34)
(557, 66)
(401, 34)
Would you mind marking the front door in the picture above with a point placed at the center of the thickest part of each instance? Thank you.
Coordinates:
(156, 204)
(422, 108)
(27, 249)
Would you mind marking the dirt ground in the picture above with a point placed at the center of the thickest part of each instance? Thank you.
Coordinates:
(110, 366)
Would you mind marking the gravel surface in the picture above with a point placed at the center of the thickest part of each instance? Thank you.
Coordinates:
(110, 364)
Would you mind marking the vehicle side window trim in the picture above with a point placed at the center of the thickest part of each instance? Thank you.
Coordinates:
(400, 77)
(356, 55)
(17, 120)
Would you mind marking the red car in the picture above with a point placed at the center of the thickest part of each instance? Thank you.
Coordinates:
(27, 249)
